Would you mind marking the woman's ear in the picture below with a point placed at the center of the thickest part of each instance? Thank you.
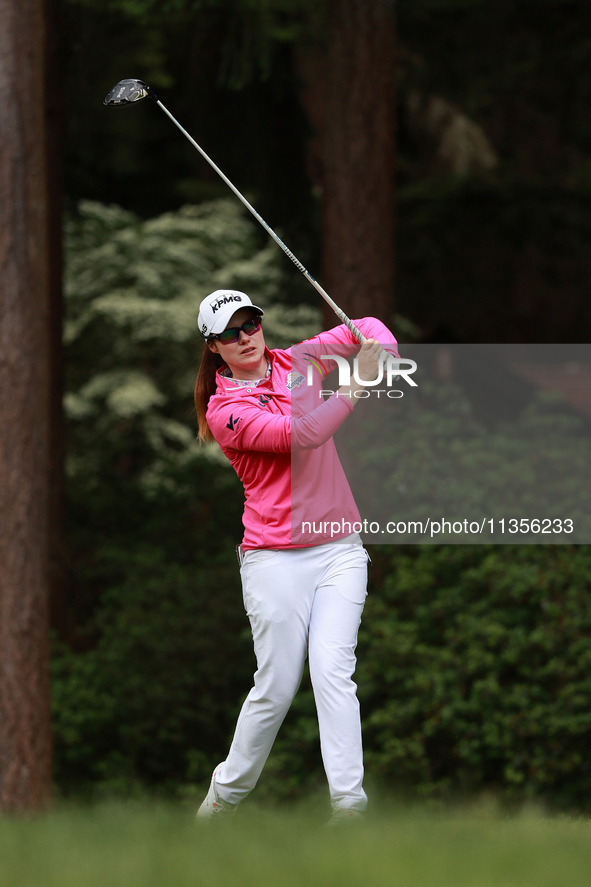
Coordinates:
(213, 346)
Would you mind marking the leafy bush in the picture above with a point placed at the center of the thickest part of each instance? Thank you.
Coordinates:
(475, 672)
(154, 700)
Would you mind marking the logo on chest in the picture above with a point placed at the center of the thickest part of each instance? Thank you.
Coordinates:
(294, 380)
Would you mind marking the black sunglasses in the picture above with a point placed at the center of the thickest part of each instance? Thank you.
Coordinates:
(232, 334)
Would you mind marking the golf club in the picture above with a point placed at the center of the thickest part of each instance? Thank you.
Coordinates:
(127, 92)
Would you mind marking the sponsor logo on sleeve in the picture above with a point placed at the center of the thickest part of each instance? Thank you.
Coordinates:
(234, 423)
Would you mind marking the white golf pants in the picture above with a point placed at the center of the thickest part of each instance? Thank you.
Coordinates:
(305, 601)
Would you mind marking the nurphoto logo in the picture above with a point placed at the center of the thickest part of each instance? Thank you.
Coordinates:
(390, 370)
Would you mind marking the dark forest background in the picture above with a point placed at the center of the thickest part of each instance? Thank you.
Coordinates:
(429, 161)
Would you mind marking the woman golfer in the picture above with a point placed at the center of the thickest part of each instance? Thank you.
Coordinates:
(304, 590)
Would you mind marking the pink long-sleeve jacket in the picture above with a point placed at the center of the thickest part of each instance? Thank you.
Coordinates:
(282, 450)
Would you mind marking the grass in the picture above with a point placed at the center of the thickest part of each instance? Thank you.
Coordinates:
(132, 844)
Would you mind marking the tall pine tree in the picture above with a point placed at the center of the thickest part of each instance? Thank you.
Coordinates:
(25, 409)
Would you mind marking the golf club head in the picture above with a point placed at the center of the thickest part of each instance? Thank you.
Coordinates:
(128, 91)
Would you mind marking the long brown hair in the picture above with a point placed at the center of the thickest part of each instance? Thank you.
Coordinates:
(205, 387)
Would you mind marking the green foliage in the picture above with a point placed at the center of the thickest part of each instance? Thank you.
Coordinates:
(500, 255)
(496, 259)
(153, 700)
(253, 28)
(475, 672)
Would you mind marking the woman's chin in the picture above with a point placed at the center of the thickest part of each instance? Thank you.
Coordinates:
(249, 365)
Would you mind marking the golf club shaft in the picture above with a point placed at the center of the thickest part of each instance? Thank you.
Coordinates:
(340, 314)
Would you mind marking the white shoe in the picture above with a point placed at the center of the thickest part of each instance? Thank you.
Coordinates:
(342, 816)
(213, 806)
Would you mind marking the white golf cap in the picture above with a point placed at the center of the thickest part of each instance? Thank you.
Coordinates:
(217, 308)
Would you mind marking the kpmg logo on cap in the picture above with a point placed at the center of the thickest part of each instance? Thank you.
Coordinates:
(224, 301)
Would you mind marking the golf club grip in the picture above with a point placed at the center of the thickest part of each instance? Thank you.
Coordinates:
(340, 314)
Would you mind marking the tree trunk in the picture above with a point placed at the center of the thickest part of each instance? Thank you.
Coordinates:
(55, 117)
(25, 384)
(349, 95)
